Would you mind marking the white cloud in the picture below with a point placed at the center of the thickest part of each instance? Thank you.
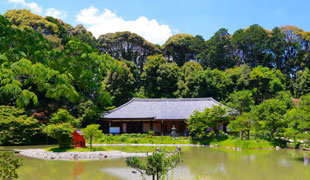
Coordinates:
(56, 13)
(108, 22)
(31, 5)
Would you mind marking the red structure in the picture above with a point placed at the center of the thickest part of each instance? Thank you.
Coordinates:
(78, 139)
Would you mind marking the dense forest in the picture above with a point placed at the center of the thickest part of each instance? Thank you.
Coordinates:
(50, 69)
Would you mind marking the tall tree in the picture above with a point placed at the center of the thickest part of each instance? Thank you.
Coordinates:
(179, 49)
(187, 74)
(210, 83)
(128, 46)
(120, 83)
(252, 46)
(159, 78)
(219, 52)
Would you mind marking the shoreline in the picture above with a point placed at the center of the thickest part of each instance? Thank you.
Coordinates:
(92, 155)
(89, 155)
(159, 145)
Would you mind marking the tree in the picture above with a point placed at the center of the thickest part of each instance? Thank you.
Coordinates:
(156, 165)
(209, 118)
(302, 83)
(219, 52)
(210, 83)
(287, 98)
(159, 78)
(299, 120)
(178, 49)
(239, 76)
(62, 132)
(265, 83)
(88, 113)
(16, 127)
(8, 166)
(91, 131)
(252, 46)
(120, 83)
(128, 46)
(61, 126)
(187, 74)
(242, 123)
(241, 101)
(269, 117)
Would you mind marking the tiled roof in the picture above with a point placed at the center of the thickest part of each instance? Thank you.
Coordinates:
(160, 108)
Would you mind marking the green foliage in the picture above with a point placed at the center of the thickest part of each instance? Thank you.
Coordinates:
(210, 83)
(156, 165)
(61, 126)
(61, 132)
(88, 113)
(209, 118)
(9, 165)
(269, 117)
(187, 74)
(16, 127)
(239, 76)
(159, 78)
(128, 46)
(302, 86)
(242, 124)
(252, 45)
(298, 120)
(24, 18)
(241, 101)
(265, 83)
(92, 131)
(63, 116)
(120, 84)
(218, 52)
(178, 48)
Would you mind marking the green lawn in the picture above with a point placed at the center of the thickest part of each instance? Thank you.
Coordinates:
(141, 139)
(130, 149)
(244, 144)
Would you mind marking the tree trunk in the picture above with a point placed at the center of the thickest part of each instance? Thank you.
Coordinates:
(91, 142)
(248, 134)
(241, 134)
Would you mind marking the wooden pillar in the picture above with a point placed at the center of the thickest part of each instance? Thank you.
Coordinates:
(151, 125)
(121, 127)
(141, 123)
(162, 127)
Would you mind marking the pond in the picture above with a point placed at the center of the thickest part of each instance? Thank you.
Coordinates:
(199, 163)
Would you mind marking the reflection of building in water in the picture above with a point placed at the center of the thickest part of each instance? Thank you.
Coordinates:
(77, 169)
(180, 172)
(306, 160)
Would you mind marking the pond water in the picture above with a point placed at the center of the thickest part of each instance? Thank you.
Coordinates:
(199, 163)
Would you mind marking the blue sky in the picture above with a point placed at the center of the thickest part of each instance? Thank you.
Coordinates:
(156, 20)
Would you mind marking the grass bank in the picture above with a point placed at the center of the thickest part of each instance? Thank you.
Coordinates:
(129, 149)
(141, 139)
(244, 144)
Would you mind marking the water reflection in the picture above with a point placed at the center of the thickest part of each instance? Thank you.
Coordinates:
(199, 162)
(78, 168)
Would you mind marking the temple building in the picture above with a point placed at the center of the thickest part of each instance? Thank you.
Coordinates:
(158, 115)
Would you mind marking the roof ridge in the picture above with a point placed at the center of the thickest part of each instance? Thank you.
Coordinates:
(175, 99)
(119, 107)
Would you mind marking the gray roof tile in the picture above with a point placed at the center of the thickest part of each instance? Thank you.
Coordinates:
(160, 108)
